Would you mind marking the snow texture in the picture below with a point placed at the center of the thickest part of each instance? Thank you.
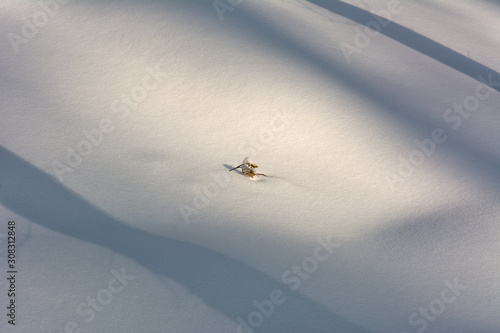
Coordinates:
(377, 123)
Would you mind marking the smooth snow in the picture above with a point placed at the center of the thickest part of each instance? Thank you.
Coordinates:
(160, 99)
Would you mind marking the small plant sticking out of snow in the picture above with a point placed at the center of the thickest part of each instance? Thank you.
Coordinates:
(248, 168)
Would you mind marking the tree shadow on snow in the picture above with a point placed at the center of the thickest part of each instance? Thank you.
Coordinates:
(225, 284)
(412, 39)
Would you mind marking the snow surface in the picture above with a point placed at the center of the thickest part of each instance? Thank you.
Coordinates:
(272, 81)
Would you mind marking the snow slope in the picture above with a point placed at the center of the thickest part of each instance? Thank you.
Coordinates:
(120, 121)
